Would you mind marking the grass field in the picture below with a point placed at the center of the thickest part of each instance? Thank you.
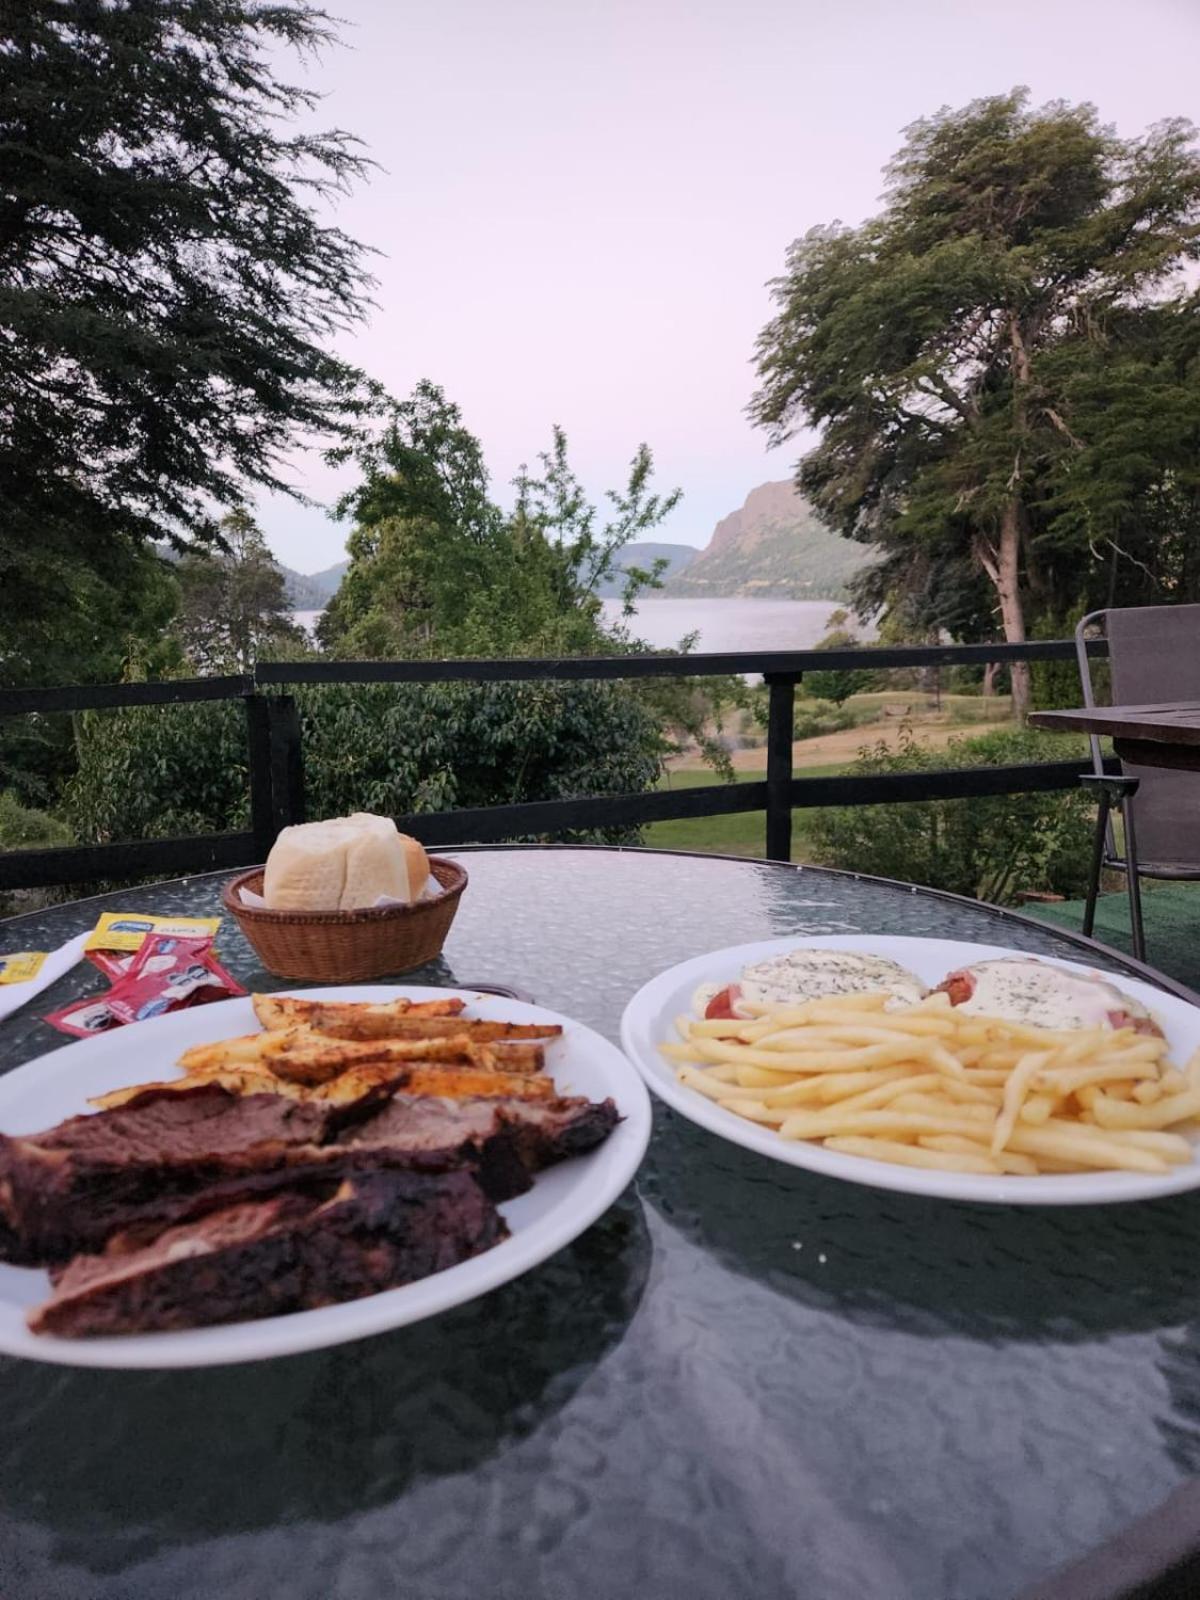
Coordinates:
(741, 834)
(966, 708)
(744, 833)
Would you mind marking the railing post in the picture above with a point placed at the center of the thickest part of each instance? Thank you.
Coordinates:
(780, 735)
(287, 763)
(258, 744)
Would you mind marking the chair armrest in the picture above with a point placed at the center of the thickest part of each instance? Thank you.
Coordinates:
(1115, 786)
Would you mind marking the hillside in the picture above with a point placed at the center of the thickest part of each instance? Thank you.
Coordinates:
(773, 547)
(644, 555)
(312, 591)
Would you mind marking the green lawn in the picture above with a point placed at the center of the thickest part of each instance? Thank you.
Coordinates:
(741, 834)
(1171, 912)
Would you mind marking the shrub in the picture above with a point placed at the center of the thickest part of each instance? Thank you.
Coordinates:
(989, 847)
(838, 683)
(22, 828)
(815, 717)
(157, 771)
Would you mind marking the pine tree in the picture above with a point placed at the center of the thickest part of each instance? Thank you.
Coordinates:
(234, 601)
(167, 288)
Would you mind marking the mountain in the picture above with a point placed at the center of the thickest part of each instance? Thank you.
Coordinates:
(775, 546)
(644, 555)
(312, 591)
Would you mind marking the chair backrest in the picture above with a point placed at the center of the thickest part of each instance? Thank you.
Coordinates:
(1154, 659)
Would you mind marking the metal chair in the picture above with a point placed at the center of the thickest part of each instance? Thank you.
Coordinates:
(1154, 658)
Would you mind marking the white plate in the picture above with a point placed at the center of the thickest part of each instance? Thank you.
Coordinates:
(564, 1200)
(649, 1021)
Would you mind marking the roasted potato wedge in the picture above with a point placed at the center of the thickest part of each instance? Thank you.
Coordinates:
(449, 1082)
(307, 1057)
(361, 1022)
(368, 1021)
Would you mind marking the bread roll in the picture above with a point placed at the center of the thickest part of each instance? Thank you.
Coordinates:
(343, 864)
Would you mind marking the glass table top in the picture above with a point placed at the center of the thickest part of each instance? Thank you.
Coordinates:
(744, 1380)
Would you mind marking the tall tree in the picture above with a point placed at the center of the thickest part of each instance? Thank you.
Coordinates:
(960, 352)
(436, 567)
(234, 601)
(167, 287)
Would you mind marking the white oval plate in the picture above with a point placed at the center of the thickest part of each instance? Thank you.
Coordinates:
(564, 1201)
(649, 1021)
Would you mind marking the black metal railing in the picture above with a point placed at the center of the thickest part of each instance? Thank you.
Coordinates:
(276, 757)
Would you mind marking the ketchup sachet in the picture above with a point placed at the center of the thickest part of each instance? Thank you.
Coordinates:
(167, 973)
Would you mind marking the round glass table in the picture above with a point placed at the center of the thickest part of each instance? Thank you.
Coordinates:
(745, 1380)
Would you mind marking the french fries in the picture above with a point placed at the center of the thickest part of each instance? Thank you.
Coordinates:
(930, 1086)
(304, 1056)
(341, 1052)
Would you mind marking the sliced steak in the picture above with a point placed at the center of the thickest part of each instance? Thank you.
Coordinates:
(507, 1140)
(172, 1156)
(69, 1188)
(290, 1253)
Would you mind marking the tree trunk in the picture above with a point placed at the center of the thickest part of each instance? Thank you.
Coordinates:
(1001, 559)
(1008, 590)
(989, 678)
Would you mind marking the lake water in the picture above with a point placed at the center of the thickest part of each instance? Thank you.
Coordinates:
(729, 624)
(721, 624)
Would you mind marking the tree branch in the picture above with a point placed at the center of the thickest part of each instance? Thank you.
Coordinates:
(988, 557)
(939, 389)
(1058, 422)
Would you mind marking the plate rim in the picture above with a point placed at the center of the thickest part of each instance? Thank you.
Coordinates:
(613, 1164)
(1067, 1189)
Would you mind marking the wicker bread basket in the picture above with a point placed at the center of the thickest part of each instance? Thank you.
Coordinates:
(347, 946)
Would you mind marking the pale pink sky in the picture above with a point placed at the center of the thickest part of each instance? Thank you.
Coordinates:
(581, 200)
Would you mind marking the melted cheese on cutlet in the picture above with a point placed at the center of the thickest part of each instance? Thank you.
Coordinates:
(1044, 996)
(802, 975)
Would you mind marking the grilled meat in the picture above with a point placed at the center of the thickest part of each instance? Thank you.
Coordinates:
(293, 1252)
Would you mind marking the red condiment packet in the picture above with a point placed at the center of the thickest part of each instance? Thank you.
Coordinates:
(168, 974)
(113, 964)
(83, 1018)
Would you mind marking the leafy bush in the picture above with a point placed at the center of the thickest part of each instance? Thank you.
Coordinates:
(157, 771)
(815, 717)
(838, 683)
(987, 847)
(400, 748)
(22, 828)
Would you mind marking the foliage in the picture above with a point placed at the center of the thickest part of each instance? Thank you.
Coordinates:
(987, 847)
(97, 622)
(234, 603)
(166, 289)
(22, 828)
(1005, 366)
(99, 632)
(838, 683)
(813, 717)
(437, 568)
(155, 771)
(1055, 684)
(392, 749)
